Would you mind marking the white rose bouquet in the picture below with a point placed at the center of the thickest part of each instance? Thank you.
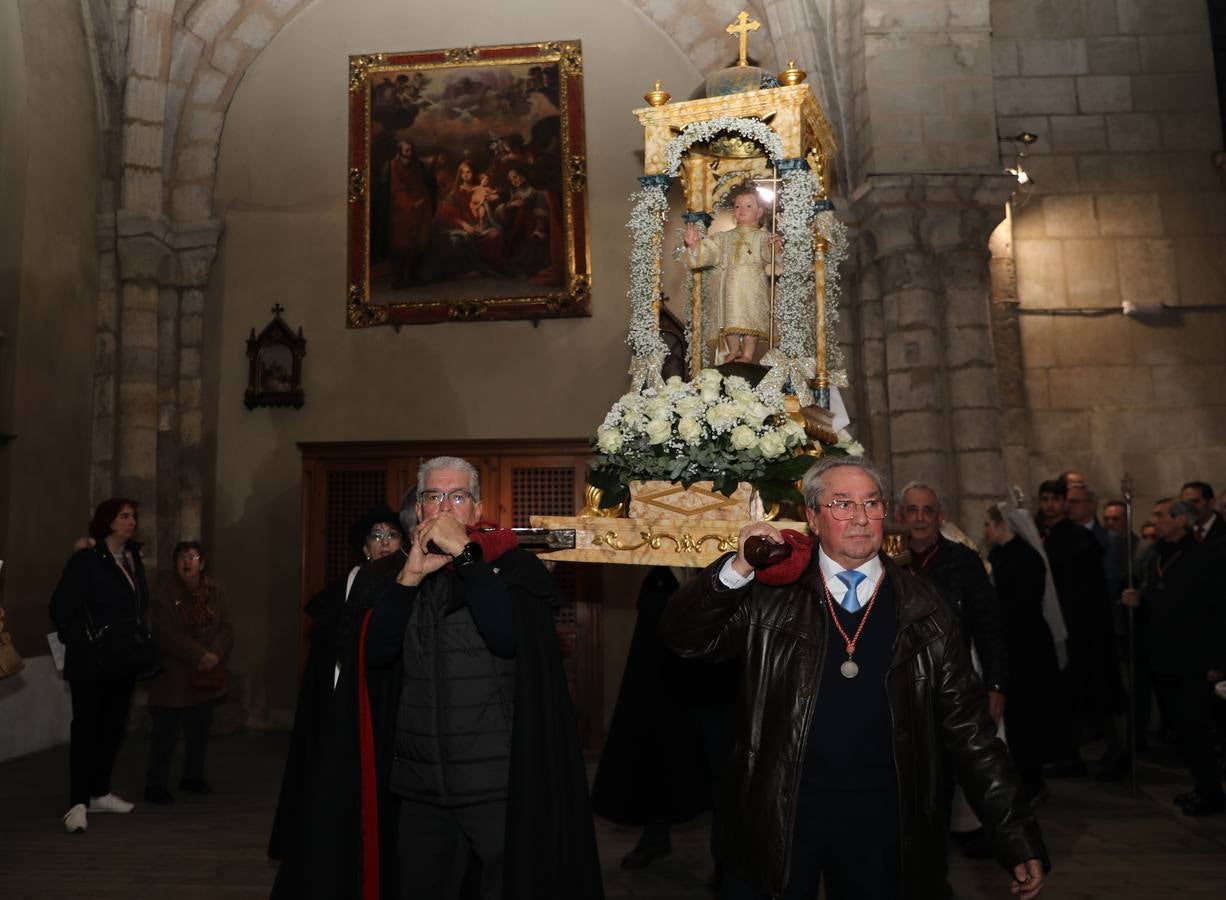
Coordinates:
(711, 429)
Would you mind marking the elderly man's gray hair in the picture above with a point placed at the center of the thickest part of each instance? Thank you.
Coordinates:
(408, 512)
(1183, 508)
(449, 462)
(813, 488)
(919, 486)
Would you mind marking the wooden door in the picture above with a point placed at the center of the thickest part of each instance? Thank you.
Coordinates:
(552, 485)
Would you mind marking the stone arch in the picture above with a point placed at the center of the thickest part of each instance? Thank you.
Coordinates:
(213, 45)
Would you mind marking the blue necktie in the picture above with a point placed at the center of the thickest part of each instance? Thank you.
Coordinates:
(851, 578)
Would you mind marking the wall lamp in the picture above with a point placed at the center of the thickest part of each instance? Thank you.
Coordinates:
(1020, 141)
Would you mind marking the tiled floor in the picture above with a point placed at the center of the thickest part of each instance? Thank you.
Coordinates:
(1105, 842)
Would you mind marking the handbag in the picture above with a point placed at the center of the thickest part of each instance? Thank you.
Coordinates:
(123, 649)
(212, 680)
(10, 660)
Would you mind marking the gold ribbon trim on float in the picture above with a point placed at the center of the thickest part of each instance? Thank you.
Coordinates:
(683, 543)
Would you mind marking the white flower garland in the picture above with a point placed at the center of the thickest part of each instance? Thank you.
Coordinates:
(837, 245)
(794, 295)
(754, 129)
(647, 214)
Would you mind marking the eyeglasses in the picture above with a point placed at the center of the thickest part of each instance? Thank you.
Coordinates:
(379, 536)
(190, 557)
(843, 510)
(457, 497)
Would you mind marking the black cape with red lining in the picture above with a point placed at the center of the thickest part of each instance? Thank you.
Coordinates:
(551, 841)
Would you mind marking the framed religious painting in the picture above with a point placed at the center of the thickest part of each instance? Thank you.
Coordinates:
(467, 185)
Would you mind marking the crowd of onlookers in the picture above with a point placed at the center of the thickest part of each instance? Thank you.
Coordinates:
(1108, 629)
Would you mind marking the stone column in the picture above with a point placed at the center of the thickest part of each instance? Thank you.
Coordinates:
(142, 252)
(868, 380)
(912, 360)
(926, 240)
(106, 357)
(167, 419)
(197, 249)
(157, 422)
(959, 237)
(1007, 341)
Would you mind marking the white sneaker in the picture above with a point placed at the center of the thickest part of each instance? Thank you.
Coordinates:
(74, 819)
(111, 803)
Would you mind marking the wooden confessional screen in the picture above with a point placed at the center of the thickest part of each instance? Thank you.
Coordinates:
(519, 479)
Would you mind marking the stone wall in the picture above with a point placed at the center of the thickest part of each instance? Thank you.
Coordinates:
(1127, 207)
(925, 103)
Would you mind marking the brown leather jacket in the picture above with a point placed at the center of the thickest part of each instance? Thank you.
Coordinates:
(937, 703)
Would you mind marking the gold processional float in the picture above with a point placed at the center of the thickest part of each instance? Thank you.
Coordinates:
(680, 465)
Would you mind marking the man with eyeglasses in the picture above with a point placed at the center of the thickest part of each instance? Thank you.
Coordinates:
(469, 744)
(856, 685)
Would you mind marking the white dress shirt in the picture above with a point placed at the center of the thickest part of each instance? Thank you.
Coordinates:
(871, 571)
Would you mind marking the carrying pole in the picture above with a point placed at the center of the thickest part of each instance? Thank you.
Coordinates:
(1126, 489)
(770, 341)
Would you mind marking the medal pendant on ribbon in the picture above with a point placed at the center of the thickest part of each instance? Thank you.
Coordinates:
(849, 669)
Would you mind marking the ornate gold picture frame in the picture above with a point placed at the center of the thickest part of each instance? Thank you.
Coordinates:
(467, 185)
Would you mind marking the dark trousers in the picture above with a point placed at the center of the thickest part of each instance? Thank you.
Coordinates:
(168, 721)
(1185, 700)
(99, 716)
(850, 839)
(436, 843)
(1142, 691)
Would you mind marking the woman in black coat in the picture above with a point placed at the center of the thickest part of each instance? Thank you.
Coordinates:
(100, 608)
(376, 535)
(1036, 720)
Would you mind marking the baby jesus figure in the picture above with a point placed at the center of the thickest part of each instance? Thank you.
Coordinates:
(481, 204)
(742, 260)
